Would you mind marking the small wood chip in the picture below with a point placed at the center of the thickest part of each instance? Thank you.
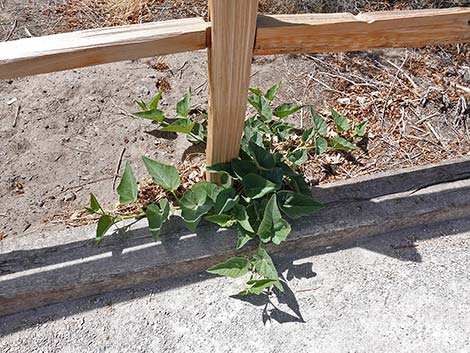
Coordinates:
(28, 33)
(17, 114)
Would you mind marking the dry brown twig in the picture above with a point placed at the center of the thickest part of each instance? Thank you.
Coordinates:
(310, 76)
(343, 77)
(426, 118)
(28, 33)
(408, 77)
(462, 88)
(122, 111)
(434, 132)
(17, 114)
(118, 167)
(84, 184)
(391, 88)
(12, 30)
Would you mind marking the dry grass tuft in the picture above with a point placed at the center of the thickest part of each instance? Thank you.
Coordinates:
(106, 12)
(82, 14)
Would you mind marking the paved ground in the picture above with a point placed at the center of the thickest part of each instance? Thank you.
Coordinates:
(404, 292)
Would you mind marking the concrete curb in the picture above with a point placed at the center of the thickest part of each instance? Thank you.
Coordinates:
(49, 268)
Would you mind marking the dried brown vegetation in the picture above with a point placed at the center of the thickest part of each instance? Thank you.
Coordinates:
(416, 106)
(98, 13)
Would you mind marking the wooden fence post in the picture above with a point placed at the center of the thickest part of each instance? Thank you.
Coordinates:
(233, 27)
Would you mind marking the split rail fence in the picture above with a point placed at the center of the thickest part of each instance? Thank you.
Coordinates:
(233, 35)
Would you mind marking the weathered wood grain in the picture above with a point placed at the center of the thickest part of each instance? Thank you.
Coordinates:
(42, 269)
(58, 52)
(280, 34)
(230, 53)
(317, 33)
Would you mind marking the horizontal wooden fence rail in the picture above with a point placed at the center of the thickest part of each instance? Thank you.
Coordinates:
(281, 34)
(31, 56)
(290, 34)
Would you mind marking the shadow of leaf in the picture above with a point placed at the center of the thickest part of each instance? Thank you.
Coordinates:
(271, 311)
(300, 271)
(163, 134)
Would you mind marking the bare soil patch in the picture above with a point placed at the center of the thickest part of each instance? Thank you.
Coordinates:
(62, 134)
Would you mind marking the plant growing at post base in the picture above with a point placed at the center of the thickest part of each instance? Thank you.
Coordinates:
(259, 192)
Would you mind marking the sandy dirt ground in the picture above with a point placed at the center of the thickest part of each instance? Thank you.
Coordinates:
(62, 134)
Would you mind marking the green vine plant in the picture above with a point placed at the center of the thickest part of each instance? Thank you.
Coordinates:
(258, 193)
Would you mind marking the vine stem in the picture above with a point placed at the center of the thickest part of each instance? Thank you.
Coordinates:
(137, 215)
(304, 146)
(175, 196)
